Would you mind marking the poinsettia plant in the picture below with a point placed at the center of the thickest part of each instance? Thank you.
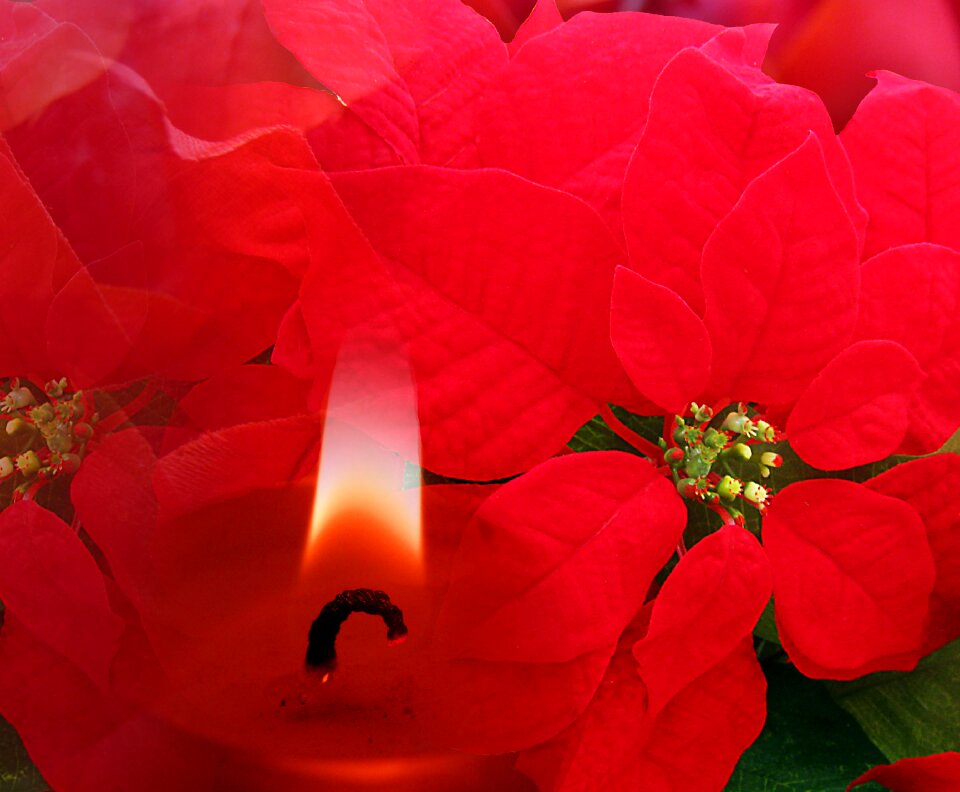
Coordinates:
(686, 366)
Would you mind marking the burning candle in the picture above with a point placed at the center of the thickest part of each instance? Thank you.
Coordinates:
(311, 667)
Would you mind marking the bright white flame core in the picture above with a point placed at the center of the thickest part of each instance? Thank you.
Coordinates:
(370, 455)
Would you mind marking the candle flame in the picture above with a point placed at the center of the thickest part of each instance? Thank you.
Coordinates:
(368, 479)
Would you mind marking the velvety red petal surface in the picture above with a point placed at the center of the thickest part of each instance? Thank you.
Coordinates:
(707, 607)
(911, 295)
(40, 62)
(500, 289)
(52, 584)
(663, 345)
(904, 145)
(710, 132)
(930, 486)
(562, 115)
(235, 460)
(544, 17)
(550, 571)
(780, 276)
(245, 394)
(852, 576)
(176, 219)
(857, 410)
(36, 261)
(693, 743)
(411, 71)
(87, 740)
(936, 773)
(230, 76)
(113, 495)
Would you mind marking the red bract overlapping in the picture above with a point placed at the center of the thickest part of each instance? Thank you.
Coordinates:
(617, 209)
(937, 773)
(158, 220)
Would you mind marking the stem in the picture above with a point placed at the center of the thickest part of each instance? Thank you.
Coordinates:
(644, 446)
(130, 409)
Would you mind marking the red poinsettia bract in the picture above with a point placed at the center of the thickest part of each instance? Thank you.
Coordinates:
(135, 228)
(937, 773)
(745, 284)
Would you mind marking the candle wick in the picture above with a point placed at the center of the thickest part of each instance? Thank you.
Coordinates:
(322, 638)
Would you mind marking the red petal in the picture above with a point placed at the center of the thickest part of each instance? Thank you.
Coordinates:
(179, 223)
(936, 773)
(41, 62)
(852, 578)
(707, 606)
(930, 485)
(904, 145)
(411, 71)
(35, 261)
(911, 295)
(710, 132)
(742, 48)
(662, 344)
(245, 394)
(780, 277)
(533, 118)
(52, 585)
(553, 567)
(84, 739)
(508, 339)
(857, 409)
(220, 465)
(694, 743)
(544, 17)
(176, 219)
(701, 734)
(113, 496)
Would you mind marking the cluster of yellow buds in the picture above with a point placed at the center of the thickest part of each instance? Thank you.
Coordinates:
(45, 433)
(702, 458)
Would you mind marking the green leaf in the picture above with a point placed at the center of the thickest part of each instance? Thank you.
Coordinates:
(595, 435)
(952, 445)
(909, 714)
(17, 773)
(767, 625)
(808, 744)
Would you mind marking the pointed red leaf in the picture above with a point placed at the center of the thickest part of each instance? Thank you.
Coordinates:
(500, 291)
(694, 743)
(710, 132)
(113, 495)
(911, 295)
(852, 576)
(533, 118)
(41, 61)
(410, 70)
(34, 263)
(936, 773)
(244, 394)
(662, 344)
(706, 608)
(51, 583)
(552, 568)
(544, 17)
(86, 739)
(857, 410)
(780, 277)
(930, 485)
(176, 219)
(742, 49)
(220, 465)
(904, 145)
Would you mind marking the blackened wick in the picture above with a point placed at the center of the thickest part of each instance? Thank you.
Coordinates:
(322, 638)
